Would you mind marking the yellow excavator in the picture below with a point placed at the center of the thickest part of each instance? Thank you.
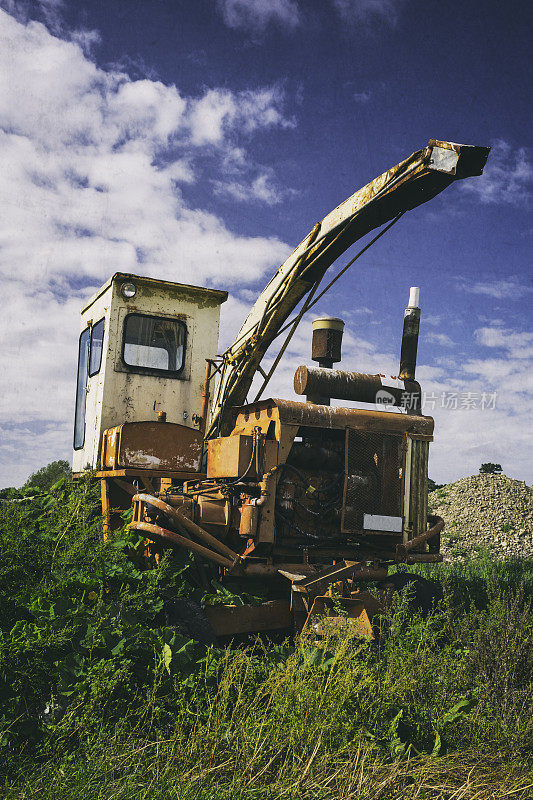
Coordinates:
(306, 499)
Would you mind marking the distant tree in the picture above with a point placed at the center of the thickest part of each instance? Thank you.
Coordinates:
(45, 477)
(490, 469)
(8, 493)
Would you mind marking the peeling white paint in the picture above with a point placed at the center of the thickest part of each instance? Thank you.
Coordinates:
(118, 394)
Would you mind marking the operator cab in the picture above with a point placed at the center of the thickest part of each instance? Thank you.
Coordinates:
(142, 350)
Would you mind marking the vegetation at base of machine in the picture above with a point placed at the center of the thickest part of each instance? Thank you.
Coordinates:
(100, 697)
(40, 481)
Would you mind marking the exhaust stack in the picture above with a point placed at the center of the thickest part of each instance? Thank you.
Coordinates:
(411, 325)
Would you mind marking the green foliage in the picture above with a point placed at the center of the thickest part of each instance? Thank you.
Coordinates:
(79, 620)
(47, 476)
(432, 486)
(99, 697)
(490, 469)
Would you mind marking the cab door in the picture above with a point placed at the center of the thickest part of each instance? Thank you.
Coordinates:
(89, 364)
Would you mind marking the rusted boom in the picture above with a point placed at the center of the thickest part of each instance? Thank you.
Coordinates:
(406, 186)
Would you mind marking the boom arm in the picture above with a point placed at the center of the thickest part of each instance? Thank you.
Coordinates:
(409, 184)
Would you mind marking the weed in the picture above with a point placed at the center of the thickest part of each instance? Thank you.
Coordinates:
(101, 699)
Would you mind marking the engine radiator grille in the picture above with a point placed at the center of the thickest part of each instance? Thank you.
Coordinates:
(373, 477)
(415, 487)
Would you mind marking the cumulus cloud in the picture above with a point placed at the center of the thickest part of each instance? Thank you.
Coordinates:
(507, 178)
(439, 338)
(517, 344)
(508, 289)
(255, 15)
(262, 189)
(488, 398)
(93, 168)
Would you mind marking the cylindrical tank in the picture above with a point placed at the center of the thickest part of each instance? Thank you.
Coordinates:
(327, 341)
(326, 349)
(337, 383)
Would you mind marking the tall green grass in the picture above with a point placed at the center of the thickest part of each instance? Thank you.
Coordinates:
(435, 707)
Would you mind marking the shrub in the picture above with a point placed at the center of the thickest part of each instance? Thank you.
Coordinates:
(101, 699)
(490, 469)
(47, 476)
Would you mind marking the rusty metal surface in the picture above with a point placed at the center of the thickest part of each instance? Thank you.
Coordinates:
(339, 384)
(403, 550)
(232, 620)
(290, 412)
(353, 615)
(411, 325)
(188, 525)
(165, 475)
(339, 572)
(233, 457)
(249, 521)
(326, 345)
(175, 539)
(415, 494)
(199, 293)
(414, 181)
(152, 445)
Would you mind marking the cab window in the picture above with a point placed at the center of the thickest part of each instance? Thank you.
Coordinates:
(152, 343)
(97, 341)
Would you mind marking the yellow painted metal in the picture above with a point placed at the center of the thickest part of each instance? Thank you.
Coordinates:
(342, 612)
(407, 185)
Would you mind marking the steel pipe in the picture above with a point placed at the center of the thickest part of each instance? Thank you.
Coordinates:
(191, 527)
(411, 325)
(402, 550)
(354, 386)
(155, 531)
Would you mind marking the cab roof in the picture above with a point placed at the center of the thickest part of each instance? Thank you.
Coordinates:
(214, 294)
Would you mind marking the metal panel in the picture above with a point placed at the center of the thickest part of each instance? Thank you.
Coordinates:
(231, 620)
(231, 457)
(152, 445)
(380, 522)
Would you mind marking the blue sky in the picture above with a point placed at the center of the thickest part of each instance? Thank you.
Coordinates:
(200, 142)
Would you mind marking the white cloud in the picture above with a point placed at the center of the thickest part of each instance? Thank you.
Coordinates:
(366, 11)
(93, 164)
(509, 289)
(255, 15)
(495, 429)
(262, 189)
(439, 338)
(517, 344)
(507, 177)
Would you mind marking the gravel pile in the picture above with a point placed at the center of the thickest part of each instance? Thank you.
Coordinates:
(485, 512)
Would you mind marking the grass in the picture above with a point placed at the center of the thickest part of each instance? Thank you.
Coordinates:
(436, 707)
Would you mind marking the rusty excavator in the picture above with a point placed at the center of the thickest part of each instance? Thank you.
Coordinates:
(307, 499)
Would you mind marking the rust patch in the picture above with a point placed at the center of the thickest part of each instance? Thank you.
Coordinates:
(152, 445)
